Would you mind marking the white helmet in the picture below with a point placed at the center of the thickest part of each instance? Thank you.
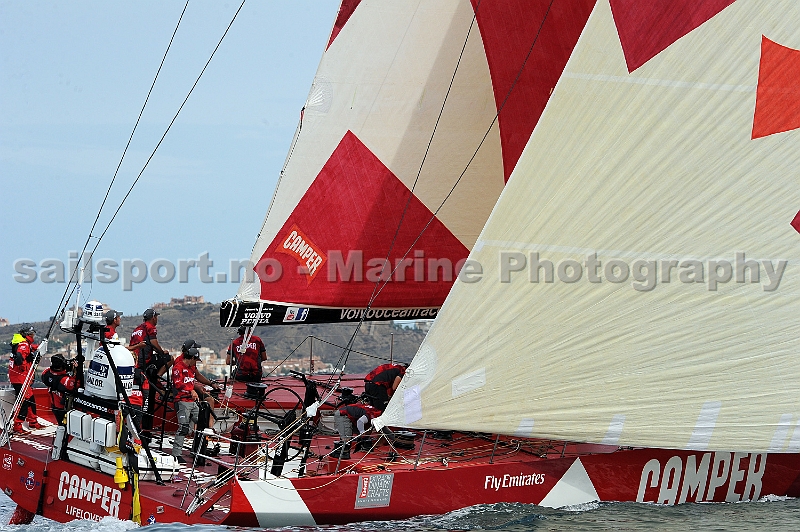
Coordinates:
(93, 311)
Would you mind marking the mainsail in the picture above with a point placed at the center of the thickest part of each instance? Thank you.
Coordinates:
(416, 117)
(640, 282)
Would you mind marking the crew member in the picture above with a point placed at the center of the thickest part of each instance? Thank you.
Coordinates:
(198, 386)
(381, 383)
(151, 359)
(59, 381)
(184, 375)
(347, 417)
(23, 350)
(141, 386)
(113, 320)
(247, 358)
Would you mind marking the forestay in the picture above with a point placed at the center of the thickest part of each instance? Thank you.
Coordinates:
(669, 149)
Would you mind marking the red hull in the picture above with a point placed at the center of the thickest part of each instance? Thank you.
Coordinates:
(641, 475)
(445, 475)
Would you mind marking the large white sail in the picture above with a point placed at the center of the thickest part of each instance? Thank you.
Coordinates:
(401, 153)
(661, 183)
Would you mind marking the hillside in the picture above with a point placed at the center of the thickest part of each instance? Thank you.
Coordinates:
(201, 323)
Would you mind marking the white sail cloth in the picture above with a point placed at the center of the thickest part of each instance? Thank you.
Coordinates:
(384, 78)
(658, 164)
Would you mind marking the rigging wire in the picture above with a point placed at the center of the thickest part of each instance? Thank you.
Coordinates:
(150, 158)
(76, 271)
(175, 117)
(379, 284)
(480, 144)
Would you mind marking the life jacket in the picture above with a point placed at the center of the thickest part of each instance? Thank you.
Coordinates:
(18, 365)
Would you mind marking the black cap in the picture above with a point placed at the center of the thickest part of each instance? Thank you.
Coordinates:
(193, 353)
(149, 313)
(27, 330)
(242, 329)
(188, 344)
(111, 315)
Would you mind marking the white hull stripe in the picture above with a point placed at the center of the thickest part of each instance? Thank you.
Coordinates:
(575, 487)
(277, 503)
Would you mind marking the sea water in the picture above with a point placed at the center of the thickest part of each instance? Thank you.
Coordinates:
(768, 514)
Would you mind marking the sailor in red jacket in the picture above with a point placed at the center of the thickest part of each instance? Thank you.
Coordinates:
(59, 382)
(23, 350)
(184, 374)
(247, 358)
(348, 417)
(381, 383)
(152, 360)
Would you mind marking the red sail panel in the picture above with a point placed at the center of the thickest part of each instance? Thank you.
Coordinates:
(345, 10)
(510, 30)
(796, 222)
(351, 212)
(646, 28)
(778, 93)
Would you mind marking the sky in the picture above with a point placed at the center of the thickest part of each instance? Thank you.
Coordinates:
(73, 78)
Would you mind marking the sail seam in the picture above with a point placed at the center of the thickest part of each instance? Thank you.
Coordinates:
(662, 82)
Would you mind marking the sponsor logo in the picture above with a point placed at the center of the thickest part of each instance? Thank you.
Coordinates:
(8, 461)
(75, 487)
(409, 313)
(719, 476)
(374, 491)
(98, 369)
(304, 251)
(80, 513)
(151, 520)
(512, 481)
(90, 405)
(30, 481)
(243, 348)
(253, 317)
(296, 314)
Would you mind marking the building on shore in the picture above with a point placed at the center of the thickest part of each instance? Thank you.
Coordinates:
(176, 301)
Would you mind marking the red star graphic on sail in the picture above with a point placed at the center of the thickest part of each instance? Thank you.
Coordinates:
(778, 92)
(345, 10)
(648, 27)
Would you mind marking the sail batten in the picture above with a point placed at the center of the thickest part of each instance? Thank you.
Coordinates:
(639, 277)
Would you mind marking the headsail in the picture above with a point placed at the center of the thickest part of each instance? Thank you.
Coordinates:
(635, 287)
(400, 154)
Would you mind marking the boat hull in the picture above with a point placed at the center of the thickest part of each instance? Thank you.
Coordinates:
(441, 473)
(643, 475)
(374, 490)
